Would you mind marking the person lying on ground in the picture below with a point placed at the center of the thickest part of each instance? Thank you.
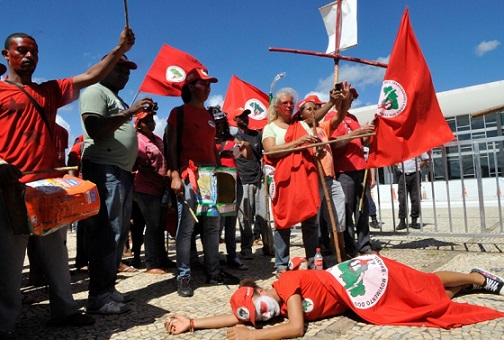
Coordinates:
(379, 290)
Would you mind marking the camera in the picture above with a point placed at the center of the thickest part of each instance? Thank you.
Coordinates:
(337, 86)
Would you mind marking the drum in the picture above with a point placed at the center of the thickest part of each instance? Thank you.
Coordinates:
(58, 202)
(216, 192)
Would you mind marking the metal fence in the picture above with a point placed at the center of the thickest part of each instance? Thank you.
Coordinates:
(464, 199)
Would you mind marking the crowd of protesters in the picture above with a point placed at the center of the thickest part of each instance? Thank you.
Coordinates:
(130, 164)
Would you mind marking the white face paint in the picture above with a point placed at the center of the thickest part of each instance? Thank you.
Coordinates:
(266, 308)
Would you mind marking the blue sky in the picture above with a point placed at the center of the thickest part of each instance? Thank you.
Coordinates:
(462, 42)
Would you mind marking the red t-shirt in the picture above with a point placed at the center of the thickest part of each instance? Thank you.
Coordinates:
(198, 136)
(318, 303)
(24, 138)
(228, 162)
(351, 156)
(61, 142)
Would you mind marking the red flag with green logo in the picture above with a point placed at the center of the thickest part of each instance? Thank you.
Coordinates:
(247, 96)
(167, 74)
(408, 120)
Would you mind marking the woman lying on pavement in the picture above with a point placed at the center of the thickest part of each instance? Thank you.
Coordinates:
(374, 287)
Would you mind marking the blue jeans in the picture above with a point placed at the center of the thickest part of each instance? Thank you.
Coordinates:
(155, 221)
(210, 236)
(106, 232)
(337, 196)
(229, 225)
(309, 229)
(251, 200)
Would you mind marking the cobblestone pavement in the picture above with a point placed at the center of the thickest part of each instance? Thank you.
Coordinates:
(155, 296)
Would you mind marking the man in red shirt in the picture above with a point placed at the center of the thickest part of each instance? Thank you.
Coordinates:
(28, 119)
(349, 165)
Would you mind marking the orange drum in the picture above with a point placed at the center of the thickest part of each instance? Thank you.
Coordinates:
(57, 202)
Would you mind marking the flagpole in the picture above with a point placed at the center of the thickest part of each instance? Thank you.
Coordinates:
(339, 139)
(328, 200)
(134, 98)
(126, 13)
(337, 38)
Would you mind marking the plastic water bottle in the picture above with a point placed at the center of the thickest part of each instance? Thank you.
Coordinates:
(318, 260)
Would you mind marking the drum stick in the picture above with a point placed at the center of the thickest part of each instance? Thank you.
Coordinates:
(126, 13)
(64, 168)
(191, 211)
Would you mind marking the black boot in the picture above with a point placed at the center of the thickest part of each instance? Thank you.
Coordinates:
(402, 224)
(414, 223)
(374, 222)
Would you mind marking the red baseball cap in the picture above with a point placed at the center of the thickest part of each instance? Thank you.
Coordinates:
(2, 69)
(311, 98)
(199, 74)
(124, 60)
(141, 115)
(242, 305)
(240, 111)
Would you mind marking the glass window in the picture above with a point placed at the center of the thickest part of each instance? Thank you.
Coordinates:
(477, 123)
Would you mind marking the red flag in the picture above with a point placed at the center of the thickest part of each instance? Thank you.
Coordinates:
(167, 74)
(242, 94)
(297, 196)
(385, 292)
(408, 120)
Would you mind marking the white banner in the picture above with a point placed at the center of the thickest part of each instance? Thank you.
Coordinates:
(348, 23)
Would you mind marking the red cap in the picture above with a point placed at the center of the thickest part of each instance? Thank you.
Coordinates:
(2, 69)
(311, 98)
(141, 115)
(298, 263)
(197, 74)
(241, 111)
(242, 305)
(124, 60)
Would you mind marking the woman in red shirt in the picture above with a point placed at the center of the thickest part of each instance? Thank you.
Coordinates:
(381, 291)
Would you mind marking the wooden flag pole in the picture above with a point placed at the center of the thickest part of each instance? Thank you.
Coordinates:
(126, 13)
(328, 199)
(64, 168)
(339, 139)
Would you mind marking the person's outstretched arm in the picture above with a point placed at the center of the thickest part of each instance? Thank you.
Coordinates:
(177, 324)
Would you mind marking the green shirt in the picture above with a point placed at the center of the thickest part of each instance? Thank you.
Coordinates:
(120, 149)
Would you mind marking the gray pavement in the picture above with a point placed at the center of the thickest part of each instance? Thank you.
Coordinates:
(155, 296)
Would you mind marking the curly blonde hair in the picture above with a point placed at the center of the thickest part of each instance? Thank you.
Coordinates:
(285, 92)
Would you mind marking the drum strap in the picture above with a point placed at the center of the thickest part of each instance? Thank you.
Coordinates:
(39, 108)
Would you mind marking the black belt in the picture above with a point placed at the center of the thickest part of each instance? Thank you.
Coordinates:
(410, 173)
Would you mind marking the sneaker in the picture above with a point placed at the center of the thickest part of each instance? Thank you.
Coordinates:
(493, 283)
(247, 255)
(237, 264)
(75, 320)
(222, 277)
(120, 297)
(402, 224)
(184, 287)
(110, 308)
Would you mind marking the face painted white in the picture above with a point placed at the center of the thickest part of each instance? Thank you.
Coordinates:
(266, 308)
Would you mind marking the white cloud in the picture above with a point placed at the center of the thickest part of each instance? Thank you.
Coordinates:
(486, 46)
(160, 125)
(214, 100)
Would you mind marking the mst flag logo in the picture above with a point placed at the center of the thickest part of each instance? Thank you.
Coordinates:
(392, 100)
(257, 109)
(175, 74)
(364, 278)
